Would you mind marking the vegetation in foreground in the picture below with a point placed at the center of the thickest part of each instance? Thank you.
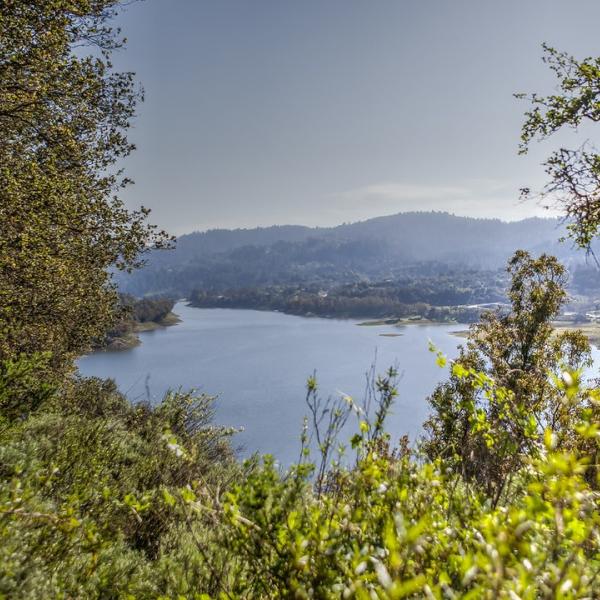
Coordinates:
(107, 499)
(100, 498)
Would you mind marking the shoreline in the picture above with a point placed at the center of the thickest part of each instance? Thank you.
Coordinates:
(400, 322)
(590, 330)
(132, 339)
(363, 320)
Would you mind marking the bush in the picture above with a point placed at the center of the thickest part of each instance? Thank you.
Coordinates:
(86, 504)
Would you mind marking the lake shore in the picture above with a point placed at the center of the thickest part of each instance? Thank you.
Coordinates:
(132, 339)
(400, 322)
(590, 330)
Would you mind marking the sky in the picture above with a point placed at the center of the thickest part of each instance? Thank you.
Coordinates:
(319, 112)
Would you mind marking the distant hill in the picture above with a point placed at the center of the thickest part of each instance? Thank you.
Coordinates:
(383, 247)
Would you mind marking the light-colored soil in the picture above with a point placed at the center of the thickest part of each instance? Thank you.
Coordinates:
(591, 330)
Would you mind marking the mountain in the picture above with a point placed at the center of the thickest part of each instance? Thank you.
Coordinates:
(379, 248)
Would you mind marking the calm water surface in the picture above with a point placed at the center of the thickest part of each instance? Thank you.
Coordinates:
(257, 364)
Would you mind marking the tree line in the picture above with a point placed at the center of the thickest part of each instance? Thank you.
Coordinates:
(135, 314)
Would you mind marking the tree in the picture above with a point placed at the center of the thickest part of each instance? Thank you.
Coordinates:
(64, 113)
(485, 431)
(574, 183)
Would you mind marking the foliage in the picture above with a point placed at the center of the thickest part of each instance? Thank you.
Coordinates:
(439, 296)
(422, 253)
(487, 432)
(574, 174)
(107, 499)
(149, 309)
(132, 315)
(64, 113)
(85, 502)
(21, 389)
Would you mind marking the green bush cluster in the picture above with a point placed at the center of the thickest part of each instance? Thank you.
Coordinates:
(84, 503)
(104, 499)
(393, 528)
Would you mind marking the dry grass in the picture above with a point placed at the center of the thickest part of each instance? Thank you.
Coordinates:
(591, 330)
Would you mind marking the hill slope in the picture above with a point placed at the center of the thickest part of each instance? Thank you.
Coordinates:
(382, 247)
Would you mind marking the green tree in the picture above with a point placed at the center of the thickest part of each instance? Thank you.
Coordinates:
(485, 432)
(574, 174)
(64, 113)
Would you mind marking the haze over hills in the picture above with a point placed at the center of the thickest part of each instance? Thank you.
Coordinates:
(378, 248)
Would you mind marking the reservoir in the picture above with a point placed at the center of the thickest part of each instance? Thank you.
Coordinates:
(257, 364)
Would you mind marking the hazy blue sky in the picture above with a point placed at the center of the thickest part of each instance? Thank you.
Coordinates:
(323, 111)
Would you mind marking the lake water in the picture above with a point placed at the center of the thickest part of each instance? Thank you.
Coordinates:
(257, 363)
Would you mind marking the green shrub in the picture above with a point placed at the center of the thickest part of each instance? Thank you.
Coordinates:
(83, 510)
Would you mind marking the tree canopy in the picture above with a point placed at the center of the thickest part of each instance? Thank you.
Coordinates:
(64, 114)
(486, 438)
(574, 183)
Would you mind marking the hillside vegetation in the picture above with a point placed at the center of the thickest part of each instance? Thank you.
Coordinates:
(499, 499)
(432, 293)
(391, 247)
(102, 498)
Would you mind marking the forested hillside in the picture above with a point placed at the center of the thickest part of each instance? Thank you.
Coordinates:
(434, 292)
(385, 247)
